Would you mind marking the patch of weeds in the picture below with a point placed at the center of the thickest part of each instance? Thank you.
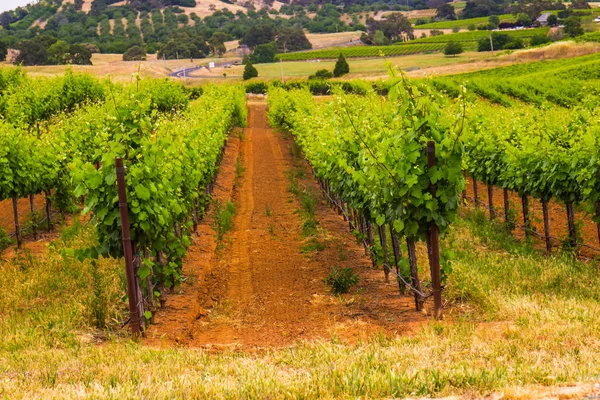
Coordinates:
(32, 224)
(240, 134)
(239, 168)
(5, 240)
(340, 280)
(309, 202)
(272, 230)
(268, 210)
(313, 244)
(223, 218)
(309, 227)
(293, 187)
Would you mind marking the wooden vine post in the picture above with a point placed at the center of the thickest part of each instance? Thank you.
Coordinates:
(433, 245)
(525, 204)
(15, 203)
(546, 226)
(132, 292)
(48, 212)
(571, 225)
(506, 207)
(490, 190)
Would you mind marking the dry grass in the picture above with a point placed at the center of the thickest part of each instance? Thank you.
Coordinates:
(323, 40)
(555, 51)
(516, 322)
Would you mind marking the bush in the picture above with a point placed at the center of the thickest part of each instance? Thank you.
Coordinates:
(257, 87)
(341, 66)
(135, 53)
(471, 27)
(514, 44)
(453, 48)
(249, 71)
(436, 32)
(321, 74)
(539, 39)
(341, 280)
(456, 28)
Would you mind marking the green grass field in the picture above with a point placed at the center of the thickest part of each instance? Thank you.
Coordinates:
(513, 317)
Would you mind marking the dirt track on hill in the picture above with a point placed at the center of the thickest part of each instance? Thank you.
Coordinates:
(260, 289)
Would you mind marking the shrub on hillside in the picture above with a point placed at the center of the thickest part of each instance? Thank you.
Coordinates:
(135, 53)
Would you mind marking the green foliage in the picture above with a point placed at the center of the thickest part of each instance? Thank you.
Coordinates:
(573, 26)
(264, 53)
(135, 53)
(453, 48)
(223, 218)
(340, 280)
(321, 74)
(362, 51)
(341, 66)
(5, 240)
(397, 194)
(249, 71)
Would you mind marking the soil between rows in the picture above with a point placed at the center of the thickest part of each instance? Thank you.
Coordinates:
(260, 289)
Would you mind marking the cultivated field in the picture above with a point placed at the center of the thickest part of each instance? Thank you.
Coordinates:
(397, 238)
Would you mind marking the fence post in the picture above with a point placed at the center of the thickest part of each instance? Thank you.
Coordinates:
(15, 202)
(525, 204)
(434, 245)
(127, 250)
(546, 226)
(490, 190)
(571, 224)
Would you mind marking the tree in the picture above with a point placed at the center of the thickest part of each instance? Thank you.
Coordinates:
(446, 11)
(249, 71)
(264, 53)
(259, 34)
(453, 48)
(3, 51)
(217, 43)
(135, 53)
(59, 53)
(393, 27)
(34, 51)
(552, 20)
(291, 39)
(80, 55)
(573, 26)
(341, 66)
(494, 21)
(524, 19)
(579, 5)
(482, 8)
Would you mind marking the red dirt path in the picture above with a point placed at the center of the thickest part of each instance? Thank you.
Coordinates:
(260, 289)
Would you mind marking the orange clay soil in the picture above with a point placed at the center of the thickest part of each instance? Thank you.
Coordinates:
(7, 219)
(258, 289)
(557, 217)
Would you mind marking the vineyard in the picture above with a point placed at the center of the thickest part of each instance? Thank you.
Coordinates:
(400, 238)
(361, 51)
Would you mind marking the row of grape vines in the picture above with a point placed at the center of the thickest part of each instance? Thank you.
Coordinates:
(548, 153)
(170, 147)
(370, 155)
(363, 51)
